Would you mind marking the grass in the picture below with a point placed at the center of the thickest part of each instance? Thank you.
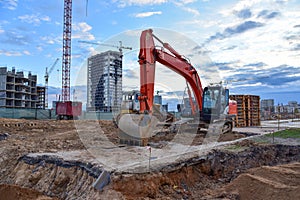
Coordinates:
(235, 147)
(289, 133)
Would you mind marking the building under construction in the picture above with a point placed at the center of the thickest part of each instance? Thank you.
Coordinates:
(18, 91)
(104, 81)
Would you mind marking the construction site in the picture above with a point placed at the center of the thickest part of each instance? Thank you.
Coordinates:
(216, 146)
(49, 159)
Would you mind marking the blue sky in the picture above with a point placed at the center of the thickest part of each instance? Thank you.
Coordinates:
(254, 46)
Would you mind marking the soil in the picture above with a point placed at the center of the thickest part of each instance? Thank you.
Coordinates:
(268, 183)
(14, 192)
(233, 172)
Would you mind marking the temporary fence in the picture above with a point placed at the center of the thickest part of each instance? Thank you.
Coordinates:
(27, 113)
(40, 114)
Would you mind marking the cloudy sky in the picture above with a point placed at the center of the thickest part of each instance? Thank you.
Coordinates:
(252, 46)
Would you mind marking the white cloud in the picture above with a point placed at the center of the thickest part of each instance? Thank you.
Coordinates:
(182, 5)
(267, 44)
(247, 4)
(10, 53)
(148, 14)
(2, 22)
(45, 18)
(133, 33)
(82, 26)
(51, 39)
(14, 53)
(25, 52)
(10, 4)
(81, 31)
(34, 19)
(39, 48)
(124, 3)
(92, 51)
(201, 23)
(187, 1)
(191, 10)
(83, 35)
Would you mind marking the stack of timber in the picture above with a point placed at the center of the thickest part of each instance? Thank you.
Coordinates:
(248, 113)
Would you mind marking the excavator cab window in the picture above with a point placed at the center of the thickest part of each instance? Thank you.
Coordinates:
(226, 97)
(214, 102)
(136, 97)
(211, 97)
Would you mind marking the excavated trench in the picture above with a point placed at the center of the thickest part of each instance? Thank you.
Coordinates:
(198, 177)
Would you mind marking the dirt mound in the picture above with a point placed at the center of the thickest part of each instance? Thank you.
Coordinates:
(13, 192)
(278, 182)
(230, 136)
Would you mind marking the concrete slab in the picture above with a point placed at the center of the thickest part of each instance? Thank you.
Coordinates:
(101, 152)
(132, 159)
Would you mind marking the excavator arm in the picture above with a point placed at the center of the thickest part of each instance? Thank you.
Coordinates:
(149, 55)
(136, 128)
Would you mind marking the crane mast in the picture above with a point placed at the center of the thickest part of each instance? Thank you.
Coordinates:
(67, 109)
(66, 59)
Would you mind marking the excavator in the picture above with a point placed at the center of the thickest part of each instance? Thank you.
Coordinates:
(138, 116)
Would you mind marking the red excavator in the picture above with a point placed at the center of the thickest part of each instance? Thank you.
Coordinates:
(138, 117)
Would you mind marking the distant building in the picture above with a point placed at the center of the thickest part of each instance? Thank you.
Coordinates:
(104, 81)
(18, 91)
(267, 105)
(291, 108)
(158, 99)
(186, 108)
(293, 104)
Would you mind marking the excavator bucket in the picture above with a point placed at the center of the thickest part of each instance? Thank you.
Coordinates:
(136, 129)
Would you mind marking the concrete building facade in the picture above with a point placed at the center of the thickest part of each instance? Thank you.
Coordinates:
(104, 81)
(267, 104)
(18, 91)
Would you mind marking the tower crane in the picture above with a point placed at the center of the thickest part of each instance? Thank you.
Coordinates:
(47, 74)
(67, 109)
(66, 59)
(120, 47)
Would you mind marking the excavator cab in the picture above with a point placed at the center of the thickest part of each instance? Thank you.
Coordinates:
(130, 102)
(215, 103)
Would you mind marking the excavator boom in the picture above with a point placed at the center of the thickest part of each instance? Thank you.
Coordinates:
(149, 55)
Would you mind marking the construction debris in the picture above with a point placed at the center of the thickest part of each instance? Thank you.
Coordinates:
(3, 136)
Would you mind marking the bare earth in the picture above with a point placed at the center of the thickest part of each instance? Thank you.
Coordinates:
(212, 176)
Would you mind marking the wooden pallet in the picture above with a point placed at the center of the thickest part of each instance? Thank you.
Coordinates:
(248, 110)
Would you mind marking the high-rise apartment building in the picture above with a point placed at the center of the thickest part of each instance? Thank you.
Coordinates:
(104, 81)
(18, 91)
(267, 105)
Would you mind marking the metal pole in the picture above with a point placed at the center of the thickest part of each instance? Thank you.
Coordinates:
(278, 121)
(149, 158)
